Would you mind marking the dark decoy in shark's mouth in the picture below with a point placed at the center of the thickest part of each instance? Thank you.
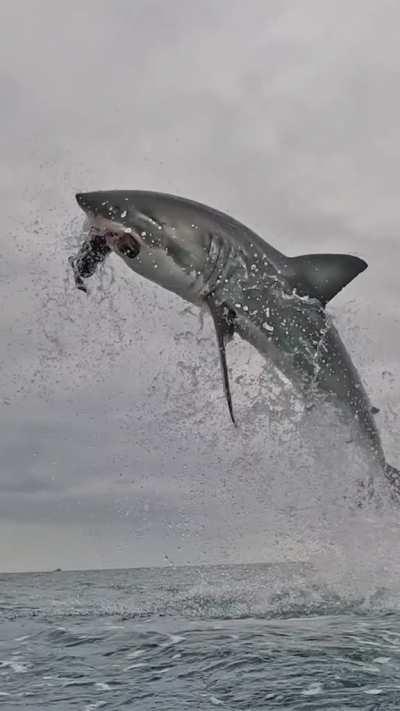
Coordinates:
(92, 253)
(275, 302)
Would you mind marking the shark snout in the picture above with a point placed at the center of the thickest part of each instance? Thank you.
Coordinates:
(101, 203)
(95, 203)
(84, 201)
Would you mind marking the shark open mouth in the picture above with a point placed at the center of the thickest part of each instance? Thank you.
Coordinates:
(116, 236)
(96, 248)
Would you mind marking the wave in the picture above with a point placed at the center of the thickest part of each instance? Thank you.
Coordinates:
(218, 592)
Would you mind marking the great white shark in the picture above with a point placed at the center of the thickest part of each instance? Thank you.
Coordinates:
(275, 302)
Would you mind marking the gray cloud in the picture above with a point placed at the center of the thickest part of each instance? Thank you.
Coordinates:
(284, 114)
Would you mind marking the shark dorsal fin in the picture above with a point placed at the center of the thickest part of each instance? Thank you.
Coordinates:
(322, 276)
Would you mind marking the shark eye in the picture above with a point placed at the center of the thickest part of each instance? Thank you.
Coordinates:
(128, 246)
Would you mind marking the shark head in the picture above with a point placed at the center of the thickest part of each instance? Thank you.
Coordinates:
(151, 236)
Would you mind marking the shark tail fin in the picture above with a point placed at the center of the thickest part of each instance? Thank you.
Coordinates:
(393, 476)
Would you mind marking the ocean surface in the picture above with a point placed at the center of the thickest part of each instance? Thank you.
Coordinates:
(236, 637)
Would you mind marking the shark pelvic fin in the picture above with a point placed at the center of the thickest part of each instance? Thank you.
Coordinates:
(322, 276)
(223, 319)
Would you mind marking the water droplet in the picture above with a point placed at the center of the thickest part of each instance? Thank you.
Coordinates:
(268, 327)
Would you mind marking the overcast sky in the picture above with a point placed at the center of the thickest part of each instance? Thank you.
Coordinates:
(116, 448)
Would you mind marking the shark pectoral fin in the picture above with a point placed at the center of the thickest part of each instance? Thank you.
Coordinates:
(375, 410)
(322, 276)
(223, 322)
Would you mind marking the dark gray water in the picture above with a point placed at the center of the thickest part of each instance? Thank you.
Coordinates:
(238, 637)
